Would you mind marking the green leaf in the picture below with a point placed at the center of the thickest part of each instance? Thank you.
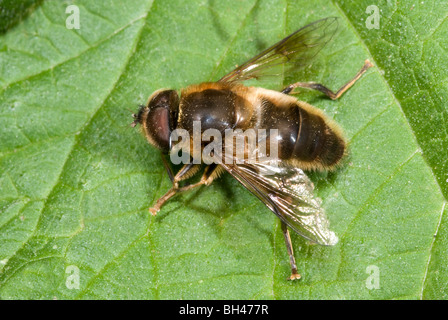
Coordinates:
(12, 12)
(76, 181)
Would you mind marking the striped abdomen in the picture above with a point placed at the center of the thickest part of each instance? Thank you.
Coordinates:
(306, 135)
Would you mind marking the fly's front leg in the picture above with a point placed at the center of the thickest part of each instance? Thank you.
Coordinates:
(167, 166)
(325, 90)
(292, 261)
(185, 172)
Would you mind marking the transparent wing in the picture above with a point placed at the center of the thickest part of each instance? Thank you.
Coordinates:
(295, 51)
(288, 192)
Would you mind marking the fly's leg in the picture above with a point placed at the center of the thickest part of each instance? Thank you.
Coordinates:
(292, 260)
(325, 90)
(167, 167)
(185, 172)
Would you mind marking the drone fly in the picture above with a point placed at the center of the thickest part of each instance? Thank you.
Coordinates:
(306, 139)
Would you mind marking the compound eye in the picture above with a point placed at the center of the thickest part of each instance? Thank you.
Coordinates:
(161, 118)
(158, 126)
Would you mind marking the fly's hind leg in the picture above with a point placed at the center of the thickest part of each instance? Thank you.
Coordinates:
(185, 172)
(292, 261)
(319, 87)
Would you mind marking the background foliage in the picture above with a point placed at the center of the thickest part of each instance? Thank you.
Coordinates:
(76, 181)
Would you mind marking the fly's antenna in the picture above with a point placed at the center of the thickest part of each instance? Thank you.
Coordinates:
(137, 115)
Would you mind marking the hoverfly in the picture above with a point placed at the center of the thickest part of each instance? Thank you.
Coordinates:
(307, 139)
